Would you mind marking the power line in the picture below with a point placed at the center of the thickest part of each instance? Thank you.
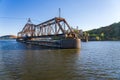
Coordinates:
(18, 18)
(12, 18)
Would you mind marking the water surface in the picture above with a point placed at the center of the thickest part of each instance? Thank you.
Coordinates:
(94, 61)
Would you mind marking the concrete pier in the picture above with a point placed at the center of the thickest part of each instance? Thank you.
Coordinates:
(71, 43)
(63, 44)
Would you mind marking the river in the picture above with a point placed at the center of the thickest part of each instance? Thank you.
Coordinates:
(97, 60)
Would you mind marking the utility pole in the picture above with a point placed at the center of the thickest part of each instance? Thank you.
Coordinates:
(59, 12)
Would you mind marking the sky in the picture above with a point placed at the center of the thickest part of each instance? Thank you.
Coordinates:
(86, 14)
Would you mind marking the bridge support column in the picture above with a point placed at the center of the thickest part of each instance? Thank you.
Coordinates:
(71, 43)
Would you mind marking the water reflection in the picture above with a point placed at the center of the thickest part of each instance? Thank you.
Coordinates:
(40, 64)
(94, 61)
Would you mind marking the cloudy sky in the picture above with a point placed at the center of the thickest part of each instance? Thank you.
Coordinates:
(86, 14)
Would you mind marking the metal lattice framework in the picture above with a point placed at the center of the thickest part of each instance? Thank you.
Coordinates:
(55, 26)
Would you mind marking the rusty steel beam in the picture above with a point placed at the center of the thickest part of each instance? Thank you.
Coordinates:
(53, 19)
(51, 27)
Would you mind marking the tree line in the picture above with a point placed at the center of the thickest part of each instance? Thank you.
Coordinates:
(111, 32)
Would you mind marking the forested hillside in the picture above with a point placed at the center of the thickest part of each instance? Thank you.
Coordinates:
(111, 32)
(8, 37)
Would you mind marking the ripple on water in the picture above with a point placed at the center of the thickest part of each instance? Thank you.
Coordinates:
(94, 61)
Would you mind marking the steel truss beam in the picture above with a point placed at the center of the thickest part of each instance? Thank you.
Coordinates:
(55, 26)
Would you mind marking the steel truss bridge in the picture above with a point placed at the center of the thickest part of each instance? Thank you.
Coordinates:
(51, 28)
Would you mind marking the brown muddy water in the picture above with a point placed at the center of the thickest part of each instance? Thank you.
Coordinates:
(94, 61)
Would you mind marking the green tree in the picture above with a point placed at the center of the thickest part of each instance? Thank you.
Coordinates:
(97, 38)
(102, 36)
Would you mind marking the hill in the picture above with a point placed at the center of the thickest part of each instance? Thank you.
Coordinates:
(8, 37)
(111, 32)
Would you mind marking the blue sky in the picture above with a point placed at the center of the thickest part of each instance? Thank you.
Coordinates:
(86, 14)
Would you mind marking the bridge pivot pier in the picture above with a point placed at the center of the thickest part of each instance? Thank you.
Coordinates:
(70, 43)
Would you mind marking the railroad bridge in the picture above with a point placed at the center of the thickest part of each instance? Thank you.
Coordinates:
(55, 32)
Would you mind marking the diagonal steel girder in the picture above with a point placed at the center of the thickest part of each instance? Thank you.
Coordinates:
(44, 28)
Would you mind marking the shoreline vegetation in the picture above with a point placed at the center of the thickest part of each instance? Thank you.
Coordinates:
(7, 37)
(107, 33)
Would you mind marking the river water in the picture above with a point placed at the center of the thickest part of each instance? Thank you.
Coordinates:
(98, 60)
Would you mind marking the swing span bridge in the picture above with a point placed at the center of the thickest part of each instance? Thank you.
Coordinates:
(55, 32)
